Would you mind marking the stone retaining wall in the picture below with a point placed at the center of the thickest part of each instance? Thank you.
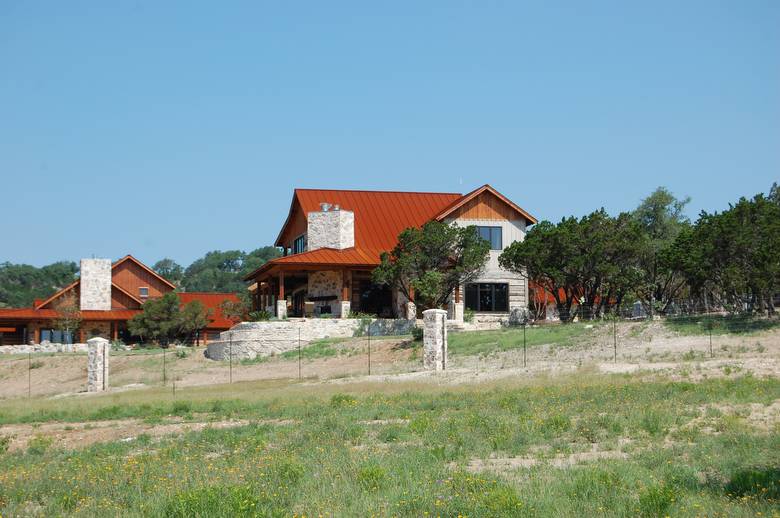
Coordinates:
(45, 347)
(252, 339)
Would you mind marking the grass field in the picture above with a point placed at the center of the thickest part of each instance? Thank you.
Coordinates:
(512, 338)
(595, 446)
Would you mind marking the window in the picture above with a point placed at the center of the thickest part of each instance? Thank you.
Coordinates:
(299, 244)
(492, 235)
(143, 292)
(486, 297)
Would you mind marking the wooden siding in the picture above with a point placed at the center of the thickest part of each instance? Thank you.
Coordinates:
(486, 206)
(297, 225)
(130, 277)
(121, 301)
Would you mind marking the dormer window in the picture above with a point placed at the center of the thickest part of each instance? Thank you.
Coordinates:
(143, 293)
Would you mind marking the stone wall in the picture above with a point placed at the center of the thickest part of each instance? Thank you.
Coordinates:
(330, 229)
(95, 284)
(94, 329)
(252, 339)
(45, 347)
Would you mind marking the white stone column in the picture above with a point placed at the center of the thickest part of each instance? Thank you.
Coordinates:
(435, 339)
(98, 350)
(346, 306)
(456, 312)
(281, 308)
(410, 311)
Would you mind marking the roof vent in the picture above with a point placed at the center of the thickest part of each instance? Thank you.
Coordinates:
(325, 206)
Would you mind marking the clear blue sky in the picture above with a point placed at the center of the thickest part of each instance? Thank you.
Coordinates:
(174, 128)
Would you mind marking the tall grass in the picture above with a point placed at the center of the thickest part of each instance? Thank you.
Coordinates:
(358, 450)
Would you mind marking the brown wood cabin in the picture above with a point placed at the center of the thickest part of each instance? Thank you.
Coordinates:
(108, 295)
(332, 241)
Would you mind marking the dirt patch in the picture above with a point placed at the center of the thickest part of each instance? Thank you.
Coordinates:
(559, 460)
(71, 436)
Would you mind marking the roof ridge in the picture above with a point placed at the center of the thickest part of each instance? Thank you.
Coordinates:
(379, 191)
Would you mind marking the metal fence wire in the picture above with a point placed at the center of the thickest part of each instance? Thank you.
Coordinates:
(615, 339)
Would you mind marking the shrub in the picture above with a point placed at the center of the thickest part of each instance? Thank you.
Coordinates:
(181, 408)
(257, 316)
(181, 354)
(371, 476)
(5, 443)
(37, 364)
(417, 334)
(656, 500)
(38, 444)
(468, 316)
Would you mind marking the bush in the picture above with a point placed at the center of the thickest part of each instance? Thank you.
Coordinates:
(417, 334)
(37, 364)
(468, 316)
(181, 354)
(5, 443)
(257, 316)
(38, 445)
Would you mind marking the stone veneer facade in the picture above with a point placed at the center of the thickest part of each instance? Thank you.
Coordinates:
(330, 229)
(326, 283)
(95, 284)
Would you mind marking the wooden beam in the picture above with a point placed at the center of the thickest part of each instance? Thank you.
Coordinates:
(281, 284)
(115, 326)
(457, 293)
(344, 286)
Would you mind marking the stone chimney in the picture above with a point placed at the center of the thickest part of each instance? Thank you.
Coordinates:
(95, 284)
(331, 227)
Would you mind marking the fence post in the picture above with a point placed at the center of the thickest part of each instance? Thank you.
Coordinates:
(230, 342)
(299, 353)
(369, 349)
(524, 353)
(164, 379)
(711, 354)
(614, 337)
(174, 389)
(29, 374)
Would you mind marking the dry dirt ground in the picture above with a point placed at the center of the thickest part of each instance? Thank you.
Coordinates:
(643, 349)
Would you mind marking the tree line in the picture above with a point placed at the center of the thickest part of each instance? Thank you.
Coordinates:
(654, 255)
(217, 271)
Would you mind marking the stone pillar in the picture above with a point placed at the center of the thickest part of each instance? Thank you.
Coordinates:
(410, 311)
(281, 308)
(345, 308)
(435, 339)
(98, 350)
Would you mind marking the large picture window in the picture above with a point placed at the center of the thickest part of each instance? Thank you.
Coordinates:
(493, 236)
(487, 297)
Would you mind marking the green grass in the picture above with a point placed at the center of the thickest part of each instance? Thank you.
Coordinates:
(324, 348)
(721, 325)
(403, 450)
(512, 338)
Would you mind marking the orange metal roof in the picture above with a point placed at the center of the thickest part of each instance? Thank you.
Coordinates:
(323, 257)
(379, 215)
(212, 301)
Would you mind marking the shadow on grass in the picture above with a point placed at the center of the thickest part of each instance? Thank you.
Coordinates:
(758, 482)
(729, 324)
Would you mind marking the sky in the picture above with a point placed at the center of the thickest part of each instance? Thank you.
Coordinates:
(168, 129)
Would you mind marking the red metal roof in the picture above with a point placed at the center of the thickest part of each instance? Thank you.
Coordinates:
(379, 215)
(212, 301)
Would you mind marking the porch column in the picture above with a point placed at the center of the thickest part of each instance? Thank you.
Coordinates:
(281, 303)
(115, 334)
(410, 309)
(345, 296)
(456, 307)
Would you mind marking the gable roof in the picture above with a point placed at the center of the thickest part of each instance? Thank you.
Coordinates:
(474, 194)
(128, 257)
(379, 215)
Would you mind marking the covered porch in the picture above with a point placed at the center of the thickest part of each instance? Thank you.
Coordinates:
(321, 291)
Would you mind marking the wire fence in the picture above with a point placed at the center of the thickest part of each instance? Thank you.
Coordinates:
(628, 341)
